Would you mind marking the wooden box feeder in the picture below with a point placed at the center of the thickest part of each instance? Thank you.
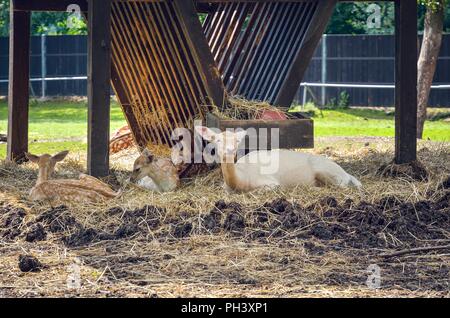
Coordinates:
(293, 133)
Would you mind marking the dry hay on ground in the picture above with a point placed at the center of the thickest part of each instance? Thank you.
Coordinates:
(414, 170)
(201, 241)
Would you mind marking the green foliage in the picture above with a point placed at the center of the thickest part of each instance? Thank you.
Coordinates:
(348, 18)
(422, 11)
(343, 102)
(4, 17)
(434, 4)
(351, 18)
(52, 23)
(202, 17)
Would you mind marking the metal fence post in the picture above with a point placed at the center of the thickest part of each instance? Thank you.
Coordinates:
(305, 94)
(324, 69)
(43, 65)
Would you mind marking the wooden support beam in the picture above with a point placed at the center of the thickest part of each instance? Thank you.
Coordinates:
(406, 81)
(124, 100)
(99, 88)
(205, 7)
(202, 5)
(304, 55)
(19, 77)
(266, 1)
(201, 51)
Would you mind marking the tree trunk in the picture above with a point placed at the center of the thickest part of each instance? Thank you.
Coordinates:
(431, 45)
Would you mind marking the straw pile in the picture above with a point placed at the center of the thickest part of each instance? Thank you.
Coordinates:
(242, 109)
(202, 241)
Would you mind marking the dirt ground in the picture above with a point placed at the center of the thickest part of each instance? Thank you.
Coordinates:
(200, 241)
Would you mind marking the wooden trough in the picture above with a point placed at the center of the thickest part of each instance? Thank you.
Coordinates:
(290, 133)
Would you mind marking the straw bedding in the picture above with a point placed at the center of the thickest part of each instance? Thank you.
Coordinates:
(202, 241)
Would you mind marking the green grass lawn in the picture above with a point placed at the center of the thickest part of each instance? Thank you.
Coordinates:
(365, 122)
(56, 126)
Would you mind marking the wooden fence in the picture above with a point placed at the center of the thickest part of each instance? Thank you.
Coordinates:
(349, 59)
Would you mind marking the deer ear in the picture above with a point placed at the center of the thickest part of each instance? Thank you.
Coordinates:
(60, 156)
(148, 155)
(240, 135)
(206, 133)
(32, 158)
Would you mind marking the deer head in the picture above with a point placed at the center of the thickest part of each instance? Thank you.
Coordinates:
(226, 143)
(46, 163)
(162, 170)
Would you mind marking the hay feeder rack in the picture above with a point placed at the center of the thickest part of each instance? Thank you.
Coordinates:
(166, 67)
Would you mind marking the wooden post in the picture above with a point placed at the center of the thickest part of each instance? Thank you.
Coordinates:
(406, 81)
(19, 76)
(301, 62)
(99, 86)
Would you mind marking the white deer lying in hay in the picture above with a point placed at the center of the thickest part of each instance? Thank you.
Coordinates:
(85, 189)
(156, 174)
(272, 168)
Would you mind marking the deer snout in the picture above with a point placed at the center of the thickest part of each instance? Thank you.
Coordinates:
(227, 155)
(134, 176)
(230, 151)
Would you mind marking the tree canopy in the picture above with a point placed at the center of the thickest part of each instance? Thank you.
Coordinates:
(348, 18)
(51, 23)
(351, 18)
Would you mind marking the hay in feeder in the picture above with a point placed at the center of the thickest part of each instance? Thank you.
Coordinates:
(243, 109)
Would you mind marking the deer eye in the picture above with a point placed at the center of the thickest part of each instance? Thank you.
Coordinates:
(137, 169)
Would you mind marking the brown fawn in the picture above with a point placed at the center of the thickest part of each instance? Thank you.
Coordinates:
(156, 174)
(86, 189)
